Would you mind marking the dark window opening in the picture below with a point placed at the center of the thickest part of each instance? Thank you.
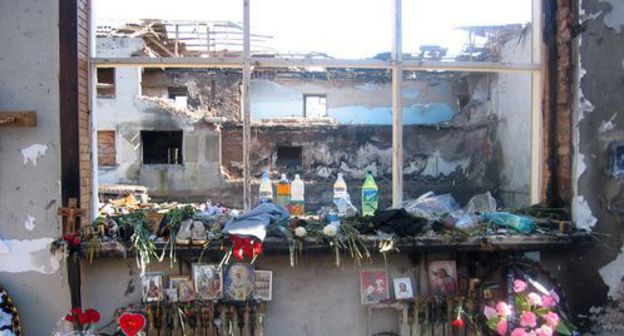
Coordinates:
(289, 157)
(162, 147)
(314, 105)
(106, 82)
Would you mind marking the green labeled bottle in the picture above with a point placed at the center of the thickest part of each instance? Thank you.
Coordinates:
(370, 195)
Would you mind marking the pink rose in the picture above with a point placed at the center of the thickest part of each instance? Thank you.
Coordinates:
(501, 327)
(544, 330)
(528, 319)
(519, 332)
(552, 319)
(548, 301)
(503, 309)
(519, 286)
(535, 299)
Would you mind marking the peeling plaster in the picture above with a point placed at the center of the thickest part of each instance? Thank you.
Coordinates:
(33, 153)
(29, 224)
(584, 218)
(436, 165)
(608, 125)
(611, 275)
(4, 249)
(614, 18)
(30, 256)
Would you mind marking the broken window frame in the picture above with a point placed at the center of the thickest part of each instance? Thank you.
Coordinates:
(305, 104)
(396, 64)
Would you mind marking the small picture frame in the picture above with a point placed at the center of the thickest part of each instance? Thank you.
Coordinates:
(152, 286)
(208, 281)
(374, 286)
(171, 294)
(238, 282)
(403, 288)
(263, 285)
(175, 280)
(442, 276)
(186, 291)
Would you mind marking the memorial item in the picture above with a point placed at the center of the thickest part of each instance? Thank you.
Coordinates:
(131, 324)
(266, 189)
(283, 192)
(370, 195)
(263, 285)
(442, 276)
(297, 199)
(208, 282)
(152, 285)
(403, 288)
(238, 282)
(186, 291)
(374, 286)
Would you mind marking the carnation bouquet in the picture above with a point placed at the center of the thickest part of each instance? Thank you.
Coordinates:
(531, 310)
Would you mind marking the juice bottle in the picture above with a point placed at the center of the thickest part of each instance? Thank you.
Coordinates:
(283, 192)
(370, 195)
(297, 191)
(266, 189)
(340, 192)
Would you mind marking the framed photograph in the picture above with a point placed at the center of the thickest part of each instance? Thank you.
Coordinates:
(403, 288)
(374, 286)
(238, 282)
(186, 291)
(208, 281)
(263, 285)
(152, 286)
(175, 280)
(171, 294)
(442, 276)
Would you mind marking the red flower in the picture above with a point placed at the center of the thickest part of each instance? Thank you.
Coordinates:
(94, 315)
(76, 311)
(69, 318)
(458, 323)
(83, 319)
(257, 248)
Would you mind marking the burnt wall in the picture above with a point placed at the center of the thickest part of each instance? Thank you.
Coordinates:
(458, 160)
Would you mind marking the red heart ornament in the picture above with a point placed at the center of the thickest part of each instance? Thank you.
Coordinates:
(131, 324)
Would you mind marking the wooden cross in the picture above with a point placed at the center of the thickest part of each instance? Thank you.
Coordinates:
(69, 215)
(18, 119)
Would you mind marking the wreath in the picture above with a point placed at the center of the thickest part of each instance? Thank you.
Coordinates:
(10, 324)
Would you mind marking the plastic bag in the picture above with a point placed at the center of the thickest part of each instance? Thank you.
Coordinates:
(505, 219)
(480, 203)
(431, 206)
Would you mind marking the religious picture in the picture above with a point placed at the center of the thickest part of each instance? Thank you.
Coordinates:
(152, 284)
(171, 294)
(442, 277)
(175, 280)
(208, 281)
(263, 285)
(374, 286)
(403, 288)
(186, 291)
(238, 282)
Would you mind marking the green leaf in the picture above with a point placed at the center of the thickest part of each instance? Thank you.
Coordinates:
(564, 328)
(522, 303)
(493, 322)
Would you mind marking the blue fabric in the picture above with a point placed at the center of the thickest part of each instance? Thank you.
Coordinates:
(255, 222)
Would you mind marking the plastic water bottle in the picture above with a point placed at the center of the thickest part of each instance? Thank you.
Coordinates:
(370, 195)
(340, 192)
(283, 191)
(266, 189)
(297, 202)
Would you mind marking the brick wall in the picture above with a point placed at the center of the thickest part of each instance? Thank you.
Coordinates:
(83, 104)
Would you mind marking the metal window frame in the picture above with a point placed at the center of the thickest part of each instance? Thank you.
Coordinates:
(396, 64)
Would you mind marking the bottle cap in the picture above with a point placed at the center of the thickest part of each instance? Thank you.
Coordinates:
(297, 176)
(339, 175)
(283, 176)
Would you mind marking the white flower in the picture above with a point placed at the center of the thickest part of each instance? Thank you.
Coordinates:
(300, 232)
(6, 319)
(330, 230)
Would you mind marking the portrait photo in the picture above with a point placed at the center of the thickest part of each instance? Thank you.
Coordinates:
(186, 291)
(442, 276)
(238, 282)
(175, 280)
(208, 282)
(403, 288)
(171, 294)
(374, 286)
(263, 285)
(152, 287)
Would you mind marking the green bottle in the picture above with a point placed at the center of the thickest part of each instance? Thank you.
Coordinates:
(370, 195)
